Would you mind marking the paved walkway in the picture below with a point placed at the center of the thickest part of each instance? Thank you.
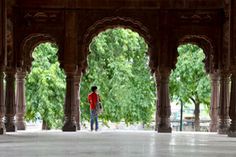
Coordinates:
(115, 144)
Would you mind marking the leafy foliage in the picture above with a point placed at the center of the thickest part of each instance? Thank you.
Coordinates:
(118, 66)
(45, 87)
(189, 82)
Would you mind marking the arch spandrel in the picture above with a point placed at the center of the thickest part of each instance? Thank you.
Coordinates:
(29, 44)
(211, 59)
(116, 22)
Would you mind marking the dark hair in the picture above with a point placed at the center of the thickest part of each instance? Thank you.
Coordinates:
(94, 88)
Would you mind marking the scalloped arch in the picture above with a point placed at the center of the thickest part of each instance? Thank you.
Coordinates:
(114, 22)
(206, 44)
(28, 45)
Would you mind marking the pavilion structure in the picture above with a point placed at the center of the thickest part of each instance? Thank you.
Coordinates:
(72, 24)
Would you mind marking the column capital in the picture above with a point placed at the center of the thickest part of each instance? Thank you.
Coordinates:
(21, 75)
(215, 76)
(10, 71)
(224, 73)
(233, 69)
(72, 69)
(162, 74)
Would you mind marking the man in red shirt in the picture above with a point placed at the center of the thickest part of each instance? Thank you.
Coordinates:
(93, 99)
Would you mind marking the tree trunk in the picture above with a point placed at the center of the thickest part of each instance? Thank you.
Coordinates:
(197, 116)
(45, 126)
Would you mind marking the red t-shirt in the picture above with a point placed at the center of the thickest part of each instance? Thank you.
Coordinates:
(93, 98)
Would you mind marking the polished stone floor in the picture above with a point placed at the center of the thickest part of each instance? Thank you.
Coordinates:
(116, 144)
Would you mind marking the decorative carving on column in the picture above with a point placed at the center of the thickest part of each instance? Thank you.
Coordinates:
(10, 101)
(2, 107)
(3, 45)
(164, 109)
(224, 103)
(77, 97)
(70, 99)
(20, 100)
(214, 102)
(232, 109)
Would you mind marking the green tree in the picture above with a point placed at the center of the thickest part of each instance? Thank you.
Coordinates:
(45, 88)
(189, 81)
(118, 66)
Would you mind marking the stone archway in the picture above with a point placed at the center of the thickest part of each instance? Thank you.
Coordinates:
(100, 26)
(23, 67)
(114, 22)
(27, 47)
(206, 44)
(219, 83)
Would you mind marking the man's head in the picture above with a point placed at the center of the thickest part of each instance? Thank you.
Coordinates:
(94, 88)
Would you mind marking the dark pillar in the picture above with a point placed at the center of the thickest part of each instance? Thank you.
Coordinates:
(70, 101)
(2, 107)
(20, 100)
(214, 102)
(232, 109)
(2, 61)
(164, 111)
(10, 101)
(77, 97)
(224, 103)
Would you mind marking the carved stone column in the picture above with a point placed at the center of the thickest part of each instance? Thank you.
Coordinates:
(77, 97)
(20, 100)
(3, 54)
(164, 111)
(70, 101)
(214, 102)
(10, 101)
(224, 103)
(2, 107)
(232, 109)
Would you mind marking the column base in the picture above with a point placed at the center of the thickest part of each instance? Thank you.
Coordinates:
(2, 128)
(164, 126)
(223, 130)
(20, 125)
(232, 129)
(78, 127)
(69, 126)
(223, 126)
(10, 127)
(213, 127)
(10, 124)
(164, 130)
(2, 131)
(232, 133)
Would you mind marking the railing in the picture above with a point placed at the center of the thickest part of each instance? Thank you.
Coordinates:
(188, 125)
